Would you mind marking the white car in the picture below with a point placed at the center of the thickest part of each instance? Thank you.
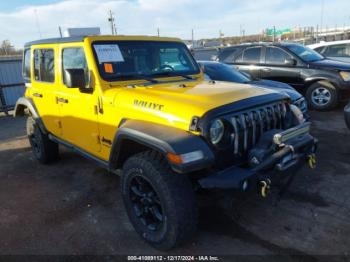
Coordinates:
(337, 50)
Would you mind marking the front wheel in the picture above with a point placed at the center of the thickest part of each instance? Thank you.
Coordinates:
(160, 203)
(322, 96)
(45, 150)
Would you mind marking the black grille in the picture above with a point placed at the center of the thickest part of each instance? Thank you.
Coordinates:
(249, 125)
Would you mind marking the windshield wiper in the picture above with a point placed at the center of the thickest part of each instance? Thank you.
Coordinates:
(170, 73)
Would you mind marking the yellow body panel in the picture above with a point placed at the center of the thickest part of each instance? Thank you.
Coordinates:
(89, 120)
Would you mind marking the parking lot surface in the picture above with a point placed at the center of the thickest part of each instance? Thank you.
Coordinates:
(74, 207)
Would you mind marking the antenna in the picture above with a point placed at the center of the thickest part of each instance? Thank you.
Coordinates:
(60, 31)
(37, 22)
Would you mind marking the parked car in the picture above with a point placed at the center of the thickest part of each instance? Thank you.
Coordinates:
(205, 53)
(221, 72)
(347, 115)
(140, 107)
(322, 81)
(337, 50)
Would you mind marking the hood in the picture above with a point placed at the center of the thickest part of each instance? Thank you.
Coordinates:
(330, 64)
(279, 87)
(176, 103)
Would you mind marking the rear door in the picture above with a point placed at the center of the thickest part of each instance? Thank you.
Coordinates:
(250, 61)
(275, 67)
(44, 84)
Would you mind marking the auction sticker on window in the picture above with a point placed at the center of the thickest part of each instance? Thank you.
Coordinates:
(108, 53)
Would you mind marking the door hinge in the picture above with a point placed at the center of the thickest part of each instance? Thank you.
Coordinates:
(58, 123)
(37, 95)
(100, 105)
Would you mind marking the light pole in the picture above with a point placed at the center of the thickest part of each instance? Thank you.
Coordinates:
(111, 20)
(322, 11)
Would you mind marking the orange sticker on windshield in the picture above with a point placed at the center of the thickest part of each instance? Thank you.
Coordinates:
(108, 68)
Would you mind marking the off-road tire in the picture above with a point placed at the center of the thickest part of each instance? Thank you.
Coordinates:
(176, 196)
(330, 90)
(44, 150)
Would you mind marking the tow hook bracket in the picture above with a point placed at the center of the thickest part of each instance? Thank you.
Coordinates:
(312, 161)
(264, 187)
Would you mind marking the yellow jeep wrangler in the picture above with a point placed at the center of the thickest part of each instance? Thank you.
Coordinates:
(140, 107)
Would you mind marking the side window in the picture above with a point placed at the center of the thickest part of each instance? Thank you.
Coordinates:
(227, 56)
(26, 65)
(173, 58)
(336, 50)
(321, 49)
(74, 58)
(347, 52)
(205, 54)
(276, 56)
(250, 56)
(44, 65)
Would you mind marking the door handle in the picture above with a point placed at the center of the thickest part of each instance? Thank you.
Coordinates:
(267, 70)
(37, 95)
(61, 100)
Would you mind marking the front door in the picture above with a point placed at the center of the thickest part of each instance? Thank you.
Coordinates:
(78, 110)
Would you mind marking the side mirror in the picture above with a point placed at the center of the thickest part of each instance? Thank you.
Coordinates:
(290, 62)
(75, 78)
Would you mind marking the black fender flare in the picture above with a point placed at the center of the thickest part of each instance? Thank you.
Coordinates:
(310, 80)
(164, 139)
(26, 102)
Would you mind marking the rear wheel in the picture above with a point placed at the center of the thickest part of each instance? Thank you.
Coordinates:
(160, 203)
(45, 150)
(322, 96)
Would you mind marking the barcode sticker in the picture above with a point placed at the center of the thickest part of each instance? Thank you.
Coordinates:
(108, 53)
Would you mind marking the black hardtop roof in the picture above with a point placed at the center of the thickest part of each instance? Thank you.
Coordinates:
(99, 37)
(56, 40)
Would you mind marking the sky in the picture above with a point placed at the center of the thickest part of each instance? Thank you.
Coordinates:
(22, 21)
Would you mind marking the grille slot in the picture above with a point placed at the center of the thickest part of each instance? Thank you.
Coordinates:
(248, 126)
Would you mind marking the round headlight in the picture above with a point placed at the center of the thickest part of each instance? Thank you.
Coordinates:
(217, 130)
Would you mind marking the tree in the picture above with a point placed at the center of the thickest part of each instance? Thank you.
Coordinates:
(6, 48)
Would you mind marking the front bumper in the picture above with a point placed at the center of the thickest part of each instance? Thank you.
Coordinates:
(290, 157)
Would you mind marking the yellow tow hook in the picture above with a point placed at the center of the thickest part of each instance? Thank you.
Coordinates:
(312, 161)
(264, 186)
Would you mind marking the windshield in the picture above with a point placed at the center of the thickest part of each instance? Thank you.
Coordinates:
(222, 72)
(126, 60)
(305, 53)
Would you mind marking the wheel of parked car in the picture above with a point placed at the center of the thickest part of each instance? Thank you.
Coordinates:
(160, 203)
(45, 150)
(322, 95)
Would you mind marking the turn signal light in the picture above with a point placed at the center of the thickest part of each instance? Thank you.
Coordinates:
(173, 158)
(185, 158)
